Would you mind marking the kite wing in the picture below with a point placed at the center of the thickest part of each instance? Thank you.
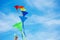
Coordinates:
(22, 18)
(24, 13)
(18, 26)
(16, 7)
(22, 8)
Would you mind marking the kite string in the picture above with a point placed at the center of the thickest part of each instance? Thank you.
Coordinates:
(23, 36)
(23, 33)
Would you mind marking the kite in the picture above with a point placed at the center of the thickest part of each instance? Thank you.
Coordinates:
(20, 7)
(16, 7)
(24, 13)
(22, 18)
(20, 25)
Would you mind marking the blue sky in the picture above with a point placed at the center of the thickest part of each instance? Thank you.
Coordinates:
(43, 21)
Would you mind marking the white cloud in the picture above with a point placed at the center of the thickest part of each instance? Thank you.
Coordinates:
(43, 36)
(47, 22)
(53, 22)
(36, 19)
(4, 26)
(7, 21)
(43, 19)
(42, 4)
(47, 7)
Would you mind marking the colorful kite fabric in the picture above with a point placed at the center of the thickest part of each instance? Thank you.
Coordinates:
(22, 9)
(21, 6)
(16, 7)
(22, 18)
(18, 26)
(24, 13)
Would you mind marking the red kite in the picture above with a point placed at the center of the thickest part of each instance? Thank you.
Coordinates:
(16, 6)
(21, 6)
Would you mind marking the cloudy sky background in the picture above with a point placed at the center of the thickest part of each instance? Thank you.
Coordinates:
(43, 21)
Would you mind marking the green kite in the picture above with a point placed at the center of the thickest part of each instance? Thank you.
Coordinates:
(18, 26)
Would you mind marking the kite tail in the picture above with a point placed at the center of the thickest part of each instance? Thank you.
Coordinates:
(23, 36)
(23, 32)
